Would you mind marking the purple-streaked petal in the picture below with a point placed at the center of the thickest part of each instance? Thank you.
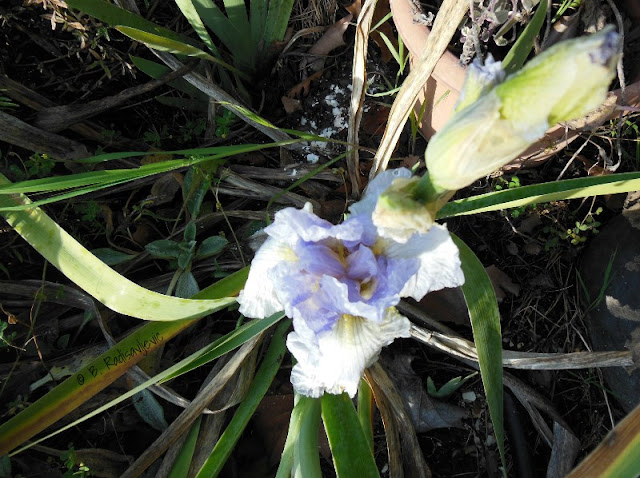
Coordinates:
(291, 225)
(439, 262)
(362, 264)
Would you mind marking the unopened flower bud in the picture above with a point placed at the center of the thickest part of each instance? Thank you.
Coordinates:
(399, 214)
(563, 83)
(480, 78)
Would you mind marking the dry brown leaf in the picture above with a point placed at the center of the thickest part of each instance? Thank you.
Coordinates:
(290, 105)
(532, 248)
(447, 305)
(445, 27)
(592, 168)
(502, 283)
(302, 88)
(164, 189)
(425, 412)
(354, 9)
(332, 39)
(375, 119)
(529, 224)
(270, 422)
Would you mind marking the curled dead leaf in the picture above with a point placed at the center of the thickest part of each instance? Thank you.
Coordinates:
(303, 88)
(332, 39)
(354, 8)
(290, 105)
(502, 283)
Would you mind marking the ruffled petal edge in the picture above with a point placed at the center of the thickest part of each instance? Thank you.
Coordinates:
(334, 361)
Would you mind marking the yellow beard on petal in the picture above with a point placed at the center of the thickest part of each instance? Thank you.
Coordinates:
(347, 328)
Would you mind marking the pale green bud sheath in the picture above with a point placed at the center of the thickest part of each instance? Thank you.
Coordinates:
(479, 80)
(563, 83)
(400, 212)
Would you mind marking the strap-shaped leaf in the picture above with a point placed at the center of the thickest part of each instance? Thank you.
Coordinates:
(258, 18)
(300, 455)
(106, 368)
(83, 183)
(259, 386)
(520, 50)
(156, 70)
(236, 41)
(180, 467)
(190, 13)
(485, 323)
(114, 15)
(161, 43)
(352, 456)
(541, 193)
(94, 276)
(277, 20)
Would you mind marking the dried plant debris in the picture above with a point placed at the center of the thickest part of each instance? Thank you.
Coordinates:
(426, 413)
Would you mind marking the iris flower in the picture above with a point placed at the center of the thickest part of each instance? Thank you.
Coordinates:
(340, 283)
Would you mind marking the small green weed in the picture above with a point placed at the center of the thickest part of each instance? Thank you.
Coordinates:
(192, 129)
(512, 183)
(181, 254)
(38, 166)
(448, 388)
(6, 103)
(6, 339)
(566, 5)
(577, 234)
(155, 137)
(74, 466)
(88, 211)
(223, 123)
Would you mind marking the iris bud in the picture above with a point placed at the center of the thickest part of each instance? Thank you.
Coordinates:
(564, 83)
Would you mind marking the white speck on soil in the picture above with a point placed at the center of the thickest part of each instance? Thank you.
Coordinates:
(469, 396)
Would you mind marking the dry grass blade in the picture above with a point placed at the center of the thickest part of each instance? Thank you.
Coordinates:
(218, 94)
(27, 97)
(186, 418)
(563, 453)
(57, 118)
(299, 171)
(263, 191)
(525, 360)
(404, 450)
(19, 133)
(139, 376)
(449, 17)
(211, 427)
(359, 85)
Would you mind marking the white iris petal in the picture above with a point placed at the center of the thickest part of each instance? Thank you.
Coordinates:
(439, 261)
(340, 283)
(259, 296)
(334, 361)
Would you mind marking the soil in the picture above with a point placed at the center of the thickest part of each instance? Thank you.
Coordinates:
(541, 309)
